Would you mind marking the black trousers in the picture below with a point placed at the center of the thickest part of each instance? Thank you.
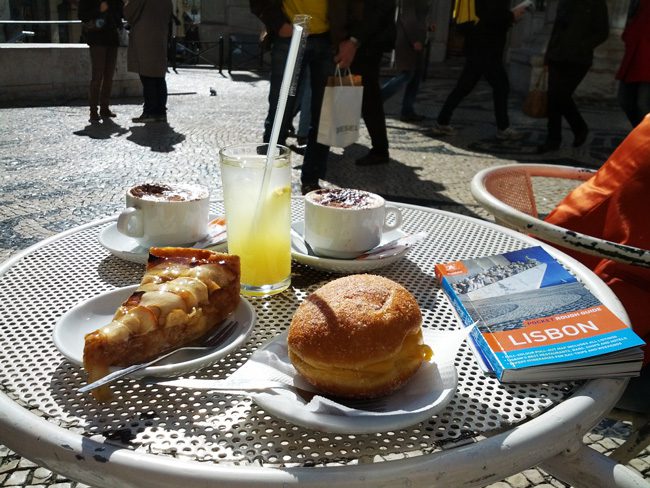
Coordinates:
(480, 62)
(103, 60)
(372, 107)
(154, 91)
(563, 79)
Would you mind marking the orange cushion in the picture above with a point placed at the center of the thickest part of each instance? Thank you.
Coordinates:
(615, 205)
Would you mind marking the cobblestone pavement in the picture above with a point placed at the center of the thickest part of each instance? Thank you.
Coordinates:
(58, 172)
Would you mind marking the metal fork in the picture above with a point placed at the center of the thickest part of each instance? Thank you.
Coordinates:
(213, 341)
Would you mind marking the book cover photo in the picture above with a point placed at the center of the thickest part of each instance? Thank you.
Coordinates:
(536, 321)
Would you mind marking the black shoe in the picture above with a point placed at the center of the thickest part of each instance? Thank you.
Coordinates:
(412, 118)
(580, 138)
(372, 159)
(547, 147)
(106, 113)
(301, 141)
(94, 116)
(307, 187)
(144, 118)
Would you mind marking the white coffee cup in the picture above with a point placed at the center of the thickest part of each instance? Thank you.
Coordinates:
(344, 223)
(165, 214)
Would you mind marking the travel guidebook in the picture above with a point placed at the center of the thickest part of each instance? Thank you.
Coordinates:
(535, 321)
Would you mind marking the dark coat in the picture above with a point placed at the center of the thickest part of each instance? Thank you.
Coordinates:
(411, 28)
(149, 21)
(112, 18)
(376, 31)
(635, 67)
(580, 26)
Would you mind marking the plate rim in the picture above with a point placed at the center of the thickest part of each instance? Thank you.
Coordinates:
(349, 265)
(358, 424)
(168, 369)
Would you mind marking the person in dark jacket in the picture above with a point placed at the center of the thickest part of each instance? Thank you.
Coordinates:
(147, 54)
(102, 20)
(333, 25)
(580, 26)
(484, 46)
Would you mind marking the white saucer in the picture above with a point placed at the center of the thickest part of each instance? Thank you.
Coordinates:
(91, 314)
(127, 248)
(347, 266)
(427, 393)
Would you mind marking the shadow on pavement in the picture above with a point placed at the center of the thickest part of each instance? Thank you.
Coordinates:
(102, 130)
(160, 137)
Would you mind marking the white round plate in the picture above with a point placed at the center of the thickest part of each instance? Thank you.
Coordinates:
(300, 254)
(428, 392)
(127, 248)
(91, 314)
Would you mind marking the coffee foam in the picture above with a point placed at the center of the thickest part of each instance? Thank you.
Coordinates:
(344, 198)
(168, 193)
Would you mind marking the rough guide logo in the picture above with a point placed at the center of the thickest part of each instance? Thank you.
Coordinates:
(451, 269)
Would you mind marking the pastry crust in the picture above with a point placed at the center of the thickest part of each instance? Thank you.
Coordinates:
(184, 294)
(359, 336)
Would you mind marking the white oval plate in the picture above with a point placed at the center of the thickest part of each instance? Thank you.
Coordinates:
(91, 314)
(428, 392)
(300, 254)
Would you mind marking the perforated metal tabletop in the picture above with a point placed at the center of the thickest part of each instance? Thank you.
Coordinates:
(139, 437)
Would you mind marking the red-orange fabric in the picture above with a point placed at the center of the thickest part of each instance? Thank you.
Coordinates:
(615, 205)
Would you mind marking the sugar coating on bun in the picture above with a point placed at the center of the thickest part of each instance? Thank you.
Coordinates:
(359, 336)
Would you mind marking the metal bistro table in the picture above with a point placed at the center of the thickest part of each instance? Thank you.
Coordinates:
(183, 438)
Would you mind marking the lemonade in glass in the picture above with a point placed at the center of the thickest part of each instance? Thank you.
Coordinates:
(259, 225)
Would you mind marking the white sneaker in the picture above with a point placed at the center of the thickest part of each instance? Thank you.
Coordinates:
(442, 130)
(509, 135)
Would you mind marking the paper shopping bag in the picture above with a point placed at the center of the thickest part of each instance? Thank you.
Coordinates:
(341, 110)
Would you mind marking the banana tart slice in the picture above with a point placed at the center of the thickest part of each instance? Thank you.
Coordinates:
(184, 294)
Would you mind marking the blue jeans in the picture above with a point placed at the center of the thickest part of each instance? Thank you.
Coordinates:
(634, 99)
(318, 57)
(304, 95)
(392, 86)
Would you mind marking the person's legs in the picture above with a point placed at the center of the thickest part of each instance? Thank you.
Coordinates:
(573, 75)
(627, 97)
(279, 53)
(97, 63)
(496, 76)
(467, 80)
(392, 86)
(161, 95)
(372, 108)
(556, 97)
(410, 93)
(319, 57)
(305, 106)
(643, 101)
(107, 81)
(150, 95)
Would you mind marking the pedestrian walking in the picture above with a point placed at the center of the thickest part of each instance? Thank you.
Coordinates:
(101, 22)
(412, 28)
(376, 35)
(580, 26)
(484, 47)
(147, 55)
(634, 72)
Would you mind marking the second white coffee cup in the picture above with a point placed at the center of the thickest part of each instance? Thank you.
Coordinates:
(165, 214)
(345, 223)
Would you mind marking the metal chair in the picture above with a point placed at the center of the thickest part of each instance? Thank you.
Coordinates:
(508, 192)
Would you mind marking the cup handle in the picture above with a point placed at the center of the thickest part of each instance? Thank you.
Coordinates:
(130, 222)
(397, 215)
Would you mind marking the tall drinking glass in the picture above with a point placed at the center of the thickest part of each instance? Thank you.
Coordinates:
(259, 225)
